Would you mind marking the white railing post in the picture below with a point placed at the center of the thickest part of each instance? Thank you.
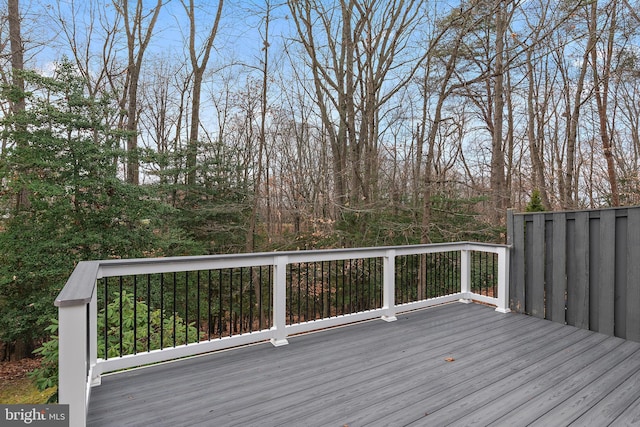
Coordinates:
(389, 286)
(279, 301)
(72, 362)
(93, 340)
(503, 280)
(465, 275)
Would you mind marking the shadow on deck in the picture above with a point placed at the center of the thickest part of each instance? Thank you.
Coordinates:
(454, 364)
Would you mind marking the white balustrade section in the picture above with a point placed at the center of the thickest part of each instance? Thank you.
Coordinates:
(80, 368)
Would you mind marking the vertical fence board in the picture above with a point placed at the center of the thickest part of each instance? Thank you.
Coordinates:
(517, 291)
(620, 302)
(559, 274)
(535, 288)
(578, 272)
(594, 272)
(548, 267)
(633, 276)
(528, 263)
(605, 285)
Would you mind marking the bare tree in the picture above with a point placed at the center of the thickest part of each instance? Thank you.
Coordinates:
(601, 86)
(138, 39)
(352, 50)
(91, 39)
(199, 61)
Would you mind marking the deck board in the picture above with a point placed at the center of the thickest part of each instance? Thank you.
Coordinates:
(507, 369)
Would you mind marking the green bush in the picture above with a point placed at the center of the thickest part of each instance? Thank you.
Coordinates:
(47, 375)
(156, 322)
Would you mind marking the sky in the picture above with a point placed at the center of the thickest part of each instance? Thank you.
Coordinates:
(239, 35)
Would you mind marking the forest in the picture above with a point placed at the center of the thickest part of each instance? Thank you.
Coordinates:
(145, 128)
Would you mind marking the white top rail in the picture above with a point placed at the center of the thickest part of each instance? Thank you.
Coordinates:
(80, 286)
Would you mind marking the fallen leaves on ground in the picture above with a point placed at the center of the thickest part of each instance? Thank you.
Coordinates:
(17, 369)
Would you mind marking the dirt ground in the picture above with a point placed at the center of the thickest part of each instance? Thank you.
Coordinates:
(16, 387)
(10, 371)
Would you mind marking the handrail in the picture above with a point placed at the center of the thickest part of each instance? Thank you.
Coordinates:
(80, 369)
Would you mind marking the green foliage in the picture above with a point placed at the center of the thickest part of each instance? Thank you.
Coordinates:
(535, 204)
(216, 210)
(453, 218)
(157, 323)
(47, 375)
(64, 155)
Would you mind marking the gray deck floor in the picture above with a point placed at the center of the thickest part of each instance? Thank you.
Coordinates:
(503, 369)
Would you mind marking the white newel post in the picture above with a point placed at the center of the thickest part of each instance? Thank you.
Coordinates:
(465, 275)
(389, 286)
(72, 362)
(503, 280)
(280, 301)
(93, 340)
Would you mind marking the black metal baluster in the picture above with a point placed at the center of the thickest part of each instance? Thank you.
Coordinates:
(315, 291)
(260, 300)
(495, 275)
(415, 282)
(220, 310)
(333, 305)
(359, 284)
(299, 280)
(307, 296)
(186, 308)
(241, 326)
(443, 283)
(270, 291)
(121, 316)
(349, 277)
(446, 267)
(135, 314)
(148, 312)
(231, 323)
(161, 310)
(250, 299)
(458, 270)
(322, 289)
(209, 298)
(430, 275)
(486, 272)
(339, 286)
(378, 267)
(402, 278)
(198, 307)
(175, 303)
(480, 271)
(106, 319)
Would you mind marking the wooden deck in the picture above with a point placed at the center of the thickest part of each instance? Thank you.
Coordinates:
(455, 364)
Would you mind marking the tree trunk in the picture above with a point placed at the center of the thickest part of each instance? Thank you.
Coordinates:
(18, 104)
(498, 187)
(601, 93)
(137, 43)
(198, 74)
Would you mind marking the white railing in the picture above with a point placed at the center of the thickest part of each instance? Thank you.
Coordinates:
(79, 365)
